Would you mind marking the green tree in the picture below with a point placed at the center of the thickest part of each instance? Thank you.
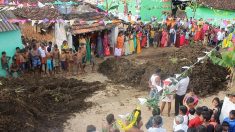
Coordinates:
(226, 59)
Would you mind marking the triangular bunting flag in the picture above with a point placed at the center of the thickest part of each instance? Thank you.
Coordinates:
(40, 5)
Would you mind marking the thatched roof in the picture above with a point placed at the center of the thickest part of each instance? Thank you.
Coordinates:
(36, 13)
(219, 4)
(83, 12)
(96, 25)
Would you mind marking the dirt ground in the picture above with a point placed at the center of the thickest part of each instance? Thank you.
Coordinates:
(205, 78)
(119, 100)
(60, 104)
(42, 104)
(121, 97)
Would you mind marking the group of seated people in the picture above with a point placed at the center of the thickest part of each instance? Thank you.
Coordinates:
(189, 119)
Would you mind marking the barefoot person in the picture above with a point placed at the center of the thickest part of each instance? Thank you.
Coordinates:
(5, 62)
(79, 60)
(56, 59)
(49, 61)
(169, 88)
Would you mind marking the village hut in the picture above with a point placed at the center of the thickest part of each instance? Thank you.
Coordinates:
(10, 36)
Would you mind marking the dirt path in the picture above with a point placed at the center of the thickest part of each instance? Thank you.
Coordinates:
(120, 99)
(117, 99)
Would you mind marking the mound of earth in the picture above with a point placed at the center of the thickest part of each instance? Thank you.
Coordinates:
(42, 104)
(205, 78)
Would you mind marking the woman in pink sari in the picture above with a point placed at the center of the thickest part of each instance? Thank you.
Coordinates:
(106, 44)
(144, 40)
(164, 40)
(182, 39)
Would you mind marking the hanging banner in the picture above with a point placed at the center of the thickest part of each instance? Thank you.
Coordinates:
(214, 16)
(150, 8)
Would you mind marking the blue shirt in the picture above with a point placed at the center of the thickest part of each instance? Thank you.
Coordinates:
(231, 124)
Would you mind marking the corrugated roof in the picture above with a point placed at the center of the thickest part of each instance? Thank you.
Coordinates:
(4, 24)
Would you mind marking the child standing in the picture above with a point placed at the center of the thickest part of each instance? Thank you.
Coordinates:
(22, 61)
(49, 60)
(5, 62)
(71, 61)
(79, 59)
(63, 61)
(14, 69)
(36, 59)
(83, 50)
(56, 59)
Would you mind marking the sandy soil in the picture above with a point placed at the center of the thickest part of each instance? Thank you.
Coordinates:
(120, 99)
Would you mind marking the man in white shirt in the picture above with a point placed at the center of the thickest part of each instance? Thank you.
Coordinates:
(180, 92)
(157, 125)
(179, 121)
(220, 36)
(228, 105)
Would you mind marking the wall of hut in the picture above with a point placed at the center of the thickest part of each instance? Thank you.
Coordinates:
(37, 32)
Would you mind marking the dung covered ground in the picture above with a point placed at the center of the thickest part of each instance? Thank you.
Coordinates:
(42, 104)
(205, 78)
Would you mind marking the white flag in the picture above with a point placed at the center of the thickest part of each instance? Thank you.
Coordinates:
(40, 5)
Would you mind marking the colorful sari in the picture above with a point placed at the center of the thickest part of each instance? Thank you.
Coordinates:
(88, 49)
(127, 45)
(144, 41)
(100, 46)
(134, 39)
(198, 35)
(177, 42)
(106, 45)
(131, 42)
(164, 39)
(138, 43)
(182, 40)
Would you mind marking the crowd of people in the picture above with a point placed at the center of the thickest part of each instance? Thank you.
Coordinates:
(48, 59)
(189, 116)
(177, 32)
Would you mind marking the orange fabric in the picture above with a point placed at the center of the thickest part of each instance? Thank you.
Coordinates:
(120, 42)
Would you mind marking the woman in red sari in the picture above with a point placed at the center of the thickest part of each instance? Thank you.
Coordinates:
(144, 40)
(177, 42)
(164, 40)
(106, 44)
(182, 39)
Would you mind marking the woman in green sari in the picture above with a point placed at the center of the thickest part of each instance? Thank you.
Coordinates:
(134, 38)
(88, 49)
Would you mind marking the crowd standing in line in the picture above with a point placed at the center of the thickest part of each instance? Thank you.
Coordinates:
(49, 58)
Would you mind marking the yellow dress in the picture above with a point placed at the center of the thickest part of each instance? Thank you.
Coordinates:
(131, 42)
(138, 45)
